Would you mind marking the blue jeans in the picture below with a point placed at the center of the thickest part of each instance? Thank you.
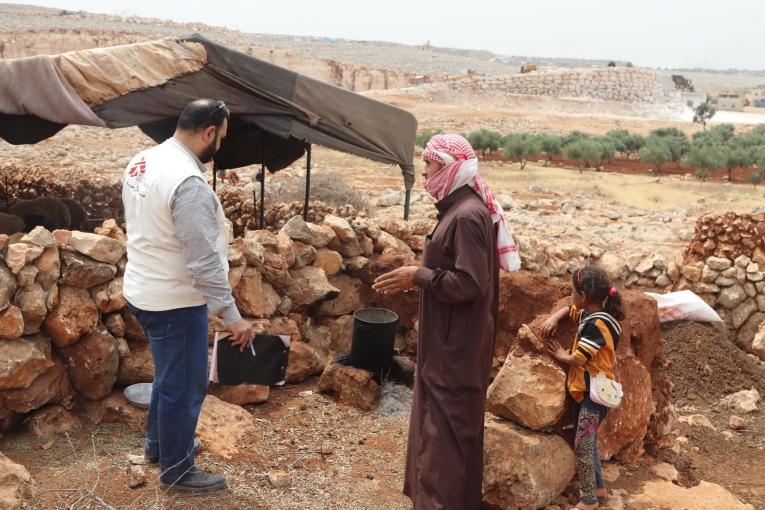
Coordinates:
(178, 340)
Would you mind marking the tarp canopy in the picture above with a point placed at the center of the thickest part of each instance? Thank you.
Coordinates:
(275, 112)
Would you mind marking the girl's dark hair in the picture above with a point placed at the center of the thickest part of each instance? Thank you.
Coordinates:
(596, 287)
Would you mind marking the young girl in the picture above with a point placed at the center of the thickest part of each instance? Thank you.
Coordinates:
(598, 309)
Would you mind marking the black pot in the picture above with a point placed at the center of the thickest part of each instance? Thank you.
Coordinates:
(374, 334)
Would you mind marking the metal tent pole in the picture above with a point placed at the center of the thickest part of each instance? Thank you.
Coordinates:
(406, 204)
(307, 181)
(263, 191)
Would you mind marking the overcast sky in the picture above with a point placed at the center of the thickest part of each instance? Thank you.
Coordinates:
(652, 33)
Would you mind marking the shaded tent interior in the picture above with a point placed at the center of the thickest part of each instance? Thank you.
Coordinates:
(276, 114)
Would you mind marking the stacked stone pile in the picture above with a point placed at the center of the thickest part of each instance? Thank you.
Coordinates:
(620, 84)
(725, 264)
(101, 197)
(68, 339)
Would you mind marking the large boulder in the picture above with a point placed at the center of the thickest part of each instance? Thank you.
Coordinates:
(749, 330)
(304, 361)
(23, 360)
(627, 425)
(744, 401)
(241, 394)
(11, 323)
(52, 420)
(758, 344)
(298, 230)
(350, 386)
(16, 485)
(93, 363)
(108, 297)
(136, 365)
(98, 247)
(328, 260)
(528, 390)
(665, 495)
(8, 286)
(731, 297)
(351, 298)
(405, 305)
(523, 470)
(341, 332)
(133, 329)
(318, 337)
(115, 324)
(343, 229)
(304, 254)
(223, 428)
(39, 236)
(21, 254)
(309, 285)
(277, 326)
(49, 267)
(52, 386)
(254, 297)
(84, 272)
(32, 300)
(523, 296)
(75, 315)
(114, 409)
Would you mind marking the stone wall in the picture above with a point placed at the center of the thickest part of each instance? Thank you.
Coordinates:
(618, 84)
(725, 264)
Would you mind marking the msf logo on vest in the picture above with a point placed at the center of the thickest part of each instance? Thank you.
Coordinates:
(134, 178)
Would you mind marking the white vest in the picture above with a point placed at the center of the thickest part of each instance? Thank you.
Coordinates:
(156, 277)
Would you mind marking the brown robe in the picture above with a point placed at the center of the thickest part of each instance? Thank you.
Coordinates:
(459, 281)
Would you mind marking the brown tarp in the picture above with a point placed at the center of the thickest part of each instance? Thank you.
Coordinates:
(275, 112)
(101, 74)
(35, 87)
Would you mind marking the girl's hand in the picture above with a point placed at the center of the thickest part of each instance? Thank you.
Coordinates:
(557, 351)
(550, 326)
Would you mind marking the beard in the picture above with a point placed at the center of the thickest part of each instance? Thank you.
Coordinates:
(209, 151)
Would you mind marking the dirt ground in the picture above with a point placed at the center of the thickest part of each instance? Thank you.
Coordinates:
(341, 458)
(336, 456)
(705, 365)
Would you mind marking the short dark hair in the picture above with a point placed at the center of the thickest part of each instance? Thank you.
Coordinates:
(203, 113)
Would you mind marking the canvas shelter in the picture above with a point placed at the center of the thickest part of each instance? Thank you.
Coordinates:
(276, 114)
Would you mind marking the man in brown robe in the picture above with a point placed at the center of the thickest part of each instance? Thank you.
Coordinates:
(459, 284)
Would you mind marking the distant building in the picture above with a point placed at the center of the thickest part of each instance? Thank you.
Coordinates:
(756, 97)
(730, 101)
(693, 99)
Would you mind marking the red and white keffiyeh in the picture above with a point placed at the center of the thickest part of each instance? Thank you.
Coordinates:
(460, 169)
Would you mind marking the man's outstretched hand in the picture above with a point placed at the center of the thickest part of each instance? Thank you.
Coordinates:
(398, 280)
(243, 334)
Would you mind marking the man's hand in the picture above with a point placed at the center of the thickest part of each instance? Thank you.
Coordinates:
(243, 334)
(398, 280)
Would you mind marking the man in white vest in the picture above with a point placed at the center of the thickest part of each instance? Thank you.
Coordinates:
(177, 271)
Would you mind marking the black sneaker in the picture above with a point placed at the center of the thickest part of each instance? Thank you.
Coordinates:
(196, 481)
(154, 459)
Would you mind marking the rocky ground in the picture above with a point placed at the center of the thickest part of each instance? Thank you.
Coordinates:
(308, 452)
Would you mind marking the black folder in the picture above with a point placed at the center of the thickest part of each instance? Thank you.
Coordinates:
(264, 363)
